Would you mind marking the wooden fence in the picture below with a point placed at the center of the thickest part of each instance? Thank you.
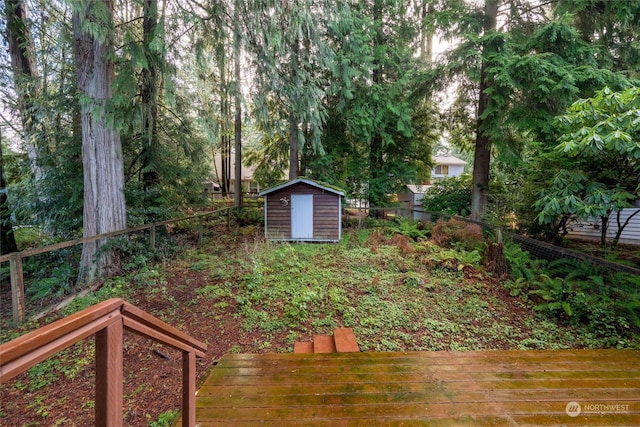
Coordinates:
(15, 260)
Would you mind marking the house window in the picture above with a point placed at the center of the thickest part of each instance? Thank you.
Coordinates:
(442, 170)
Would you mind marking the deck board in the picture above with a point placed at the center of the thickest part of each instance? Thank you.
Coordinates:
(424, 388)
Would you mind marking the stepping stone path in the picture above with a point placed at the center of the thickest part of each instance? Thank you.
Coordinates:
(343, 340)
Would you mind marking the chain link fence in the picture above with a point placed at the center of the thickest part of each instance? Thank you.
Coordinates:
(536, 248)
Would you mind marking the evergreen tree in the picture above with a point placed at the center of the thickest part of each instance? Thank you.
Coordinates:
(7, 238)
(44, 85)
(289, 55)
(370, 137)
(26, 78)
(165, 160)
(150, 78)
(237, 47)
(536, 63)
(482, 151)
(104, 202)
(219, 45)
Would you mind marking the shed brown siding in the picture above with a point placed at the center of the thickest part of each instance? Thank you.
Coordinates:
(326, 213)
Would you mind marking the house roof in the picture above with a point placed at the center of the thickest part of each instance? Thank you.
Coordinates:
(307, 181)
(418, 189)
(448, 160)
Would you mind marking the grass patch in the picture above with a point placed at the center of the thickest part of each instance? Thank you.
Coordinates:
(421, 298)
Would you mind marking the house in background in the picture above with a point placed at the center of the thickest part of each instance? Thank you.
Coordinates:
(410, 198)
(303, 210)
(249, 184)
(447, 167)
(591, 229)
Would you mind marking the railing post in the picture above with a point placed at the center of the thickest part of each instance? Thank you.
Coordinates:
(109, 356)
(17, 289)
(188, 389)
(152, 237)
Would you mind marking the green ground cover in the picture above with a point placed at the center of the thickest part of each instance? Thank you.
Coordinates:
(238, 293)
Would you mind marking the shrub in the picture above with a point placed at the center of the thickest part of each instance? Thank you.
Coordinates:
(457, 234)
(450, 195)
(607, 304)
(250, 216)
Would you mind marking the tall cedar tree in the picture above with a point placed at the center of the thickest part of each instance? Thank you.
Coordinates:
(149, 84)
(290, 55)
(104, 203)
(371, 144)
(237, 46)
(24, 73)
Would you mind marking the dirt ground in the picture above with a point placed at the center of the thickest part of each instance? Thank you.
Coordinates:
(152, 372)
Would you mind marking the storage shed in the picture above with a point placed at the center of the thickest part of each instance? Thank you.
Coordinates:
(303, 210)
(410, 199)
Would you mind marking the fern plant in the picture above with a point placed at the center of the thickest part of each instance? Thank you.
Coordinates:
(407, 228)
(521, 266)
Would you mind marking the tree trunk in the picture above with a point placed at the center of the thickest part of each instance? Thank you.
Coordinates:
(149, 94)
(482, 155)
(237, 187)
(104, 203)
(294, 163)
(7, 238)
(25, 76)
(237, 184)
(426, 34)
(621, 226)
(225, 142)
(294, 141)
(375, 145)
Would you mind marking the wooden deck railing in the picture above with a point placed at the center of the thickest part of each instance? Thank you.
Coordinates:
(107, 322)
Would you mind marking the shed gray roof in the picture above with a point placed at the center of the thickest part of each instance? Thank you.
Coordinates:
(305, 181)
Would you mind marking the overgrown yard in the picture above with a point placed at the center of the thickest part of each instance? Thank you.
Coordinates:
(241, 294)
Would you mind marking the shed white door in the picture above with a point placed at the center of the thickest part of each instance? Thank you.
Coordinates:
(302, 216)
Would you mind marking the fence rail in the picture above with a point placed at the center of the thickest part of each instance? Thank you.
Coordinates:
(106, 321)
(549, 252)
(15, 259)
(534, 247)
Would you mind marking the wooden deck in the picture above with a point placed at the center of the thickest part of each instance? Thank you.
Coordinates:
(477, 388)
